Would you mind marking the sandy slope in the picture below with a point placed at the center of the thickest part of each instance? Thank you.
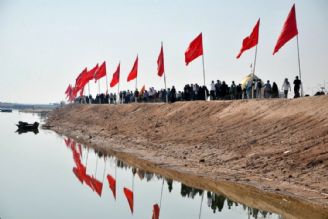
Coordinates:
(276, 145)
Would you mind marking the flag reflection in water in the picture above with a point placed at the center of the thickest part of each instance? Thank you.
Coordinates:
(80, 171)
(112, 184)
(216, 202)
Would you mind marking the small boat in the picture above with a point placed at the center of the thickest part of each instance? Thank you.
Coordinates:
(26, 126)
(6, 110)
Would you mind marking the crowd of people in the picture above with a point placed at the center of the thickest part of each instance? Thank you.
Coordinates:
(219, 90)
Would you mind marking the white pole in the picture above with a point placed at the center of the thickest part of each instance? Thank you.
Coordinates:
(89, 92)
(248, 213)
(104, 171)
(132, 182)
(107, 87)
(135, 98)
(166, 94)
(86, 162)
(167, 98)
(204, 76)
(255, 61)
(253, 74)
(160, 201)
(201, 203)
(119, 81)
(118, 93)
(299, 65)
(99, 91)
(106, 83)
(96, 167)
(115, 176)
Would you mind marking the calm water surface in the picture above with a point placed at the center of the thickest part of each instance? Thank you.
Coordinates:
(45, 175)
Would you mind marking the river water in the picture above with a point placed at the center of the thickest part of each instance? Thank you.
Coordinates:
(44, 175)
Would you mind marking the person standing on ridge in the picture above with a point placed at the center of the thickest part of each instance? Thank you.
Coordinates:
(258, 88)
(286, 87)
(297, 86)
(212, 92)
(267, 90)
(275, 91)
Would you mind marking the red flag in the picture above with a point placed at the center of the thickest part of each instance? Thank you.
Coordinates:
(82, 90)
(195, 49)
(251, 40)
(67, 142)
(70, 93)
(160, 63)
(289, 30)
(91, 73)
(82, 170)
(77, 174)
(79, 82)
(101, 72)
(134, 72)
(80, 149)
(88, 180)
(155, 212)
(73, 94)
(76, 158)
(116, 76)
(68, 90)
(129, 196)
(85, 78)
(112, 184)
(97, 185)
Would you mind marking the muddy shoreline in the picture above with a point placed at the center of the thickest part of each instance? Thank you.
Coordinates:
(102, 127)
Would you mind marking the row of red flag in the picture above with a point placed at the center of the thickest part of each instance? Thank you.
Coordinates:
(194, 50)
(80, 171)
(83, 78)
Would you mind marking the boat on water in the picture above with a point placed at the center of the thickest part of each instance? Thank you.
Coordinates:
(6, 110)
(27, 126)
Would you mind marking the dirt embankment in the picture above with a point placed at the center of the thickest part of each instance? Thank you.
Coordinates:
(275, 145)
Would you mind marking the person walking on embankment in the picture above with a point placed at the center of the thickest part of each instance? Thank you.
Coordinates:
(286, 87)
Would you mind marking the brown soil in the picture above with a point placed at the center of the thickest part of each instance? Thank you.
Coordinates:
(278, 146)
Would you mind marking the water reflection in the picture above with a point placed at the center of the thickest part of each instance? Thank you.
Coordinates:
(23, 131)
(215, 202)
(80, 170)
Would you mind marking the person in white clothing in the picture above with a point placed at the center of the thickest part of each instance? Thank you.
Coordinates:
(286, 87)
(212, 91)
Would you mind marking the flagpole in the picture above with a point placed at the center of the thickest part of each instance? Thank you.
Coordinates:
(166, 96)
(104, 171)
(204, 77)
(99, 92)
(89, 92)
(86, 162)
(118, 93)
(253, 74)
(118, 86)
(96, 166)
(132, 189)
(299, 64)
(107, 86)
(132, 182)
(135, 98)
(115, 171)
(201, 204)
(160, 201)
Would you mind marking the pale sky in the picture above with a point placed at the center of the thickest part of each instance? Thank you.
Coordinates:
(45, 44)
